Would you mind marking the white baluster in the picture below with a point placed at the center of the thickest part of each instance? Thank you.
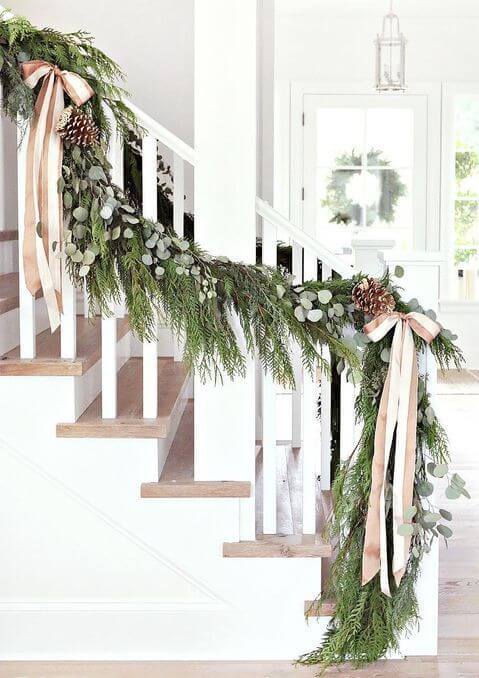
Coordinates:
(86, 309)
(150, 348)
(348, 429)
(297, 271)
(325, 410)
(109, 325)
(26, 300)
(69, 317)
(310, 443)
(269, 408)
(178, 195)
(178, 221)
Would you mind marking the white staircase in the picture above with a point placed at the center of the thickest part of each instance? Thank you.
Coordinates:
(141, 518)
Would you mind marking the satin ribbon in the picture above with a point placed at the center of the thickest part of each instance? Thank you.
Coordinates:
(43, 200)
(397, 412)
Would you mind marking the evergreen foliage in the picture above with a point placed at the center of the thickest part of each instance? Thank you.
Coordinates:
(120, 255)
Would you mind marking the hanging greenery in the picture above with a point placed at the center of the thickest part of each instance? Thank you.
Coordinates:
(118, 254)
(345, 208)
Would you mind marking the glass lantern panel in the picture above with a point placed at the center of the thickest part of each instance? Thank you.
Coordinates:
(390, 65)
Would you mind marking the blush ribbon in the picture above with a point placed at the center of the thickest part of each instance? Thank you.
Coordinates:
(397, 412)
(43, 200)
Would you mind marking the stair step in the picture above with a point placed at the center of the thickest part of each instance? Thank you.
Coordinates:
(176, 479)
(276, 546)
(9, 234)
(196, 488)
(313, 608)
(48, 347)
(172, 385)
(8, 292)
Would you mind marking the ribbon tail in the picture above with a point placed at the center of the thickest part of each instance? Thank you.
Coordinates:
(375, 556)
(48, 287)
(405, 454)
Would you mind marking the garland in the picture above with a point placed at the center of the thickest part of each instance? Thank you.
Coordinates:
(119, 255)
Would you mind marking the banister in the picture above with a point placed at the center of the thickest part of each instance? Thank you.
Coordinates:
(163, 134)
(304, 239)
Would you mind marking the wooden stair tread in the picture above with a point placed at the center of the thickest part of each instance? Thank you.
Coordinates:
(9, 234)
(172, 383)
(195, 489)
(277, 546)
(176, 479)
(8, 292)
(47, 362)
(313, 608)
(9, 298)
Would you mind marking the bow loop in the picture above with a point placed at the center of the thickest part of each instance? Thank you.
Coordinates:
(73, 84)
(421, 324)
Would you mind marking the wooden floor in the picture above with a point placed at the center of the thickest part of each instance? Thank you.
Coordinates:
(458, 406)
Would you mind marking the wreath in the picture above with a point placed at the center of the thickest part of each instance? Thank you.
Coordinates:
(345, 209)
(118, 254)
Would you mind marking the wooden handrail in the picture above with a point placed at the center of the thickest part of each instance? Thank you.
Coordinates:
(304, 239)
(163, 134)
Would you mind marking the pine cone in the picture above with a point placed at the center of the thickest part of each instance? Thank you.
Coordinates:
(78, 127)
(372, 298)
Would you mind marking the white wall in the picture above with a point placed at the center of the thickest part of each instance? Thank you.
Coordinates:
(332, 41)
(320, 40)
(152, 40)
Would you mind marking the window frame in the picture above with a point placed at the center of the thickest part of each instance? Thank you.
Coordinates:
(450, 91)
(289, 146)
(418, 166)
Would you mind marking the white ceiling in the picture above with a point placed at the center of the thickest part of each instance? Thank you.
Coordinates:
(423, 8)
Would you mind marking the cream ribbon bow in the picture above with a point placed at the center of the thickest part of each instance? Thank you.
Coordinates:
(397, 412)
(43, 201)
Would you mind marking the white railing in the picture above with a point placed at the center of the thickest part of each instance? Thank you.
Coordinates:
(154, 134)
(310, 433)
(313, 435)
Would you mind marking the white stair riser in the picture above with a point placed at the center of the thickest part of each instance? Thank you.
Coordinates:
(8, 256)
(166, 344)
(88, 386)
(10, 323)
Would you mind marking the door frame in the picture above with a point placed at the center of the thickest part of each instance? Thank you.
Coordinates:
(289, 156)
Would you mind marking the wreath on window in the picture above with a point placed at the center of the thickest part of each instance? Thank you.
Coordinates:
(346, 209)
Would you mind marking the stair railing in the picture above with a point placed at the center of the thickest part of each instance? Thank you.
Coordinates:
(182, 153)
(310, 432)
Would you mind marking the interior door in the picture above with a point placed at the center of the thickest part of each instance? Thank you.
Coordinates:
(365, 168)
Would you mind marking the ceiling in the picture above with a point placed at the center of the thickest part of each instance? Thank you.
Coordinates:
(346, 8)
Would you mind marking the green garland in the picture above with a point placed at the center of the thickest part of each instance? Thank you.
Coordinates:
(119, 254)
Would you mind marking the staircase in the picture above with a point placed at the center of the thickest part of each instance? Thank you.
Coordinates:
(121, 538)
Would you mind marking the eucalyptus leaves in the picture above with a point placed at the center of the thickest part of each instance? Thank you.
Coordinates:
(122, 257)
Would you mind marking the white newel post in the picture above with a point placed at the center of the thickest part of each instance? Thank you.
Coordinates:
(422, 271)
(225, 222)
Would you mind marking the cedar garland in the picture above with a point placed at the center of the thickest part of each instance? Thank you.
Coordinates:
(118, 253)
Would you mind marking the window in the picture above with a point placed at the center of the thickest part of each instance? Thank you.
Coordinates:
(365, 168)
(465, 192)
